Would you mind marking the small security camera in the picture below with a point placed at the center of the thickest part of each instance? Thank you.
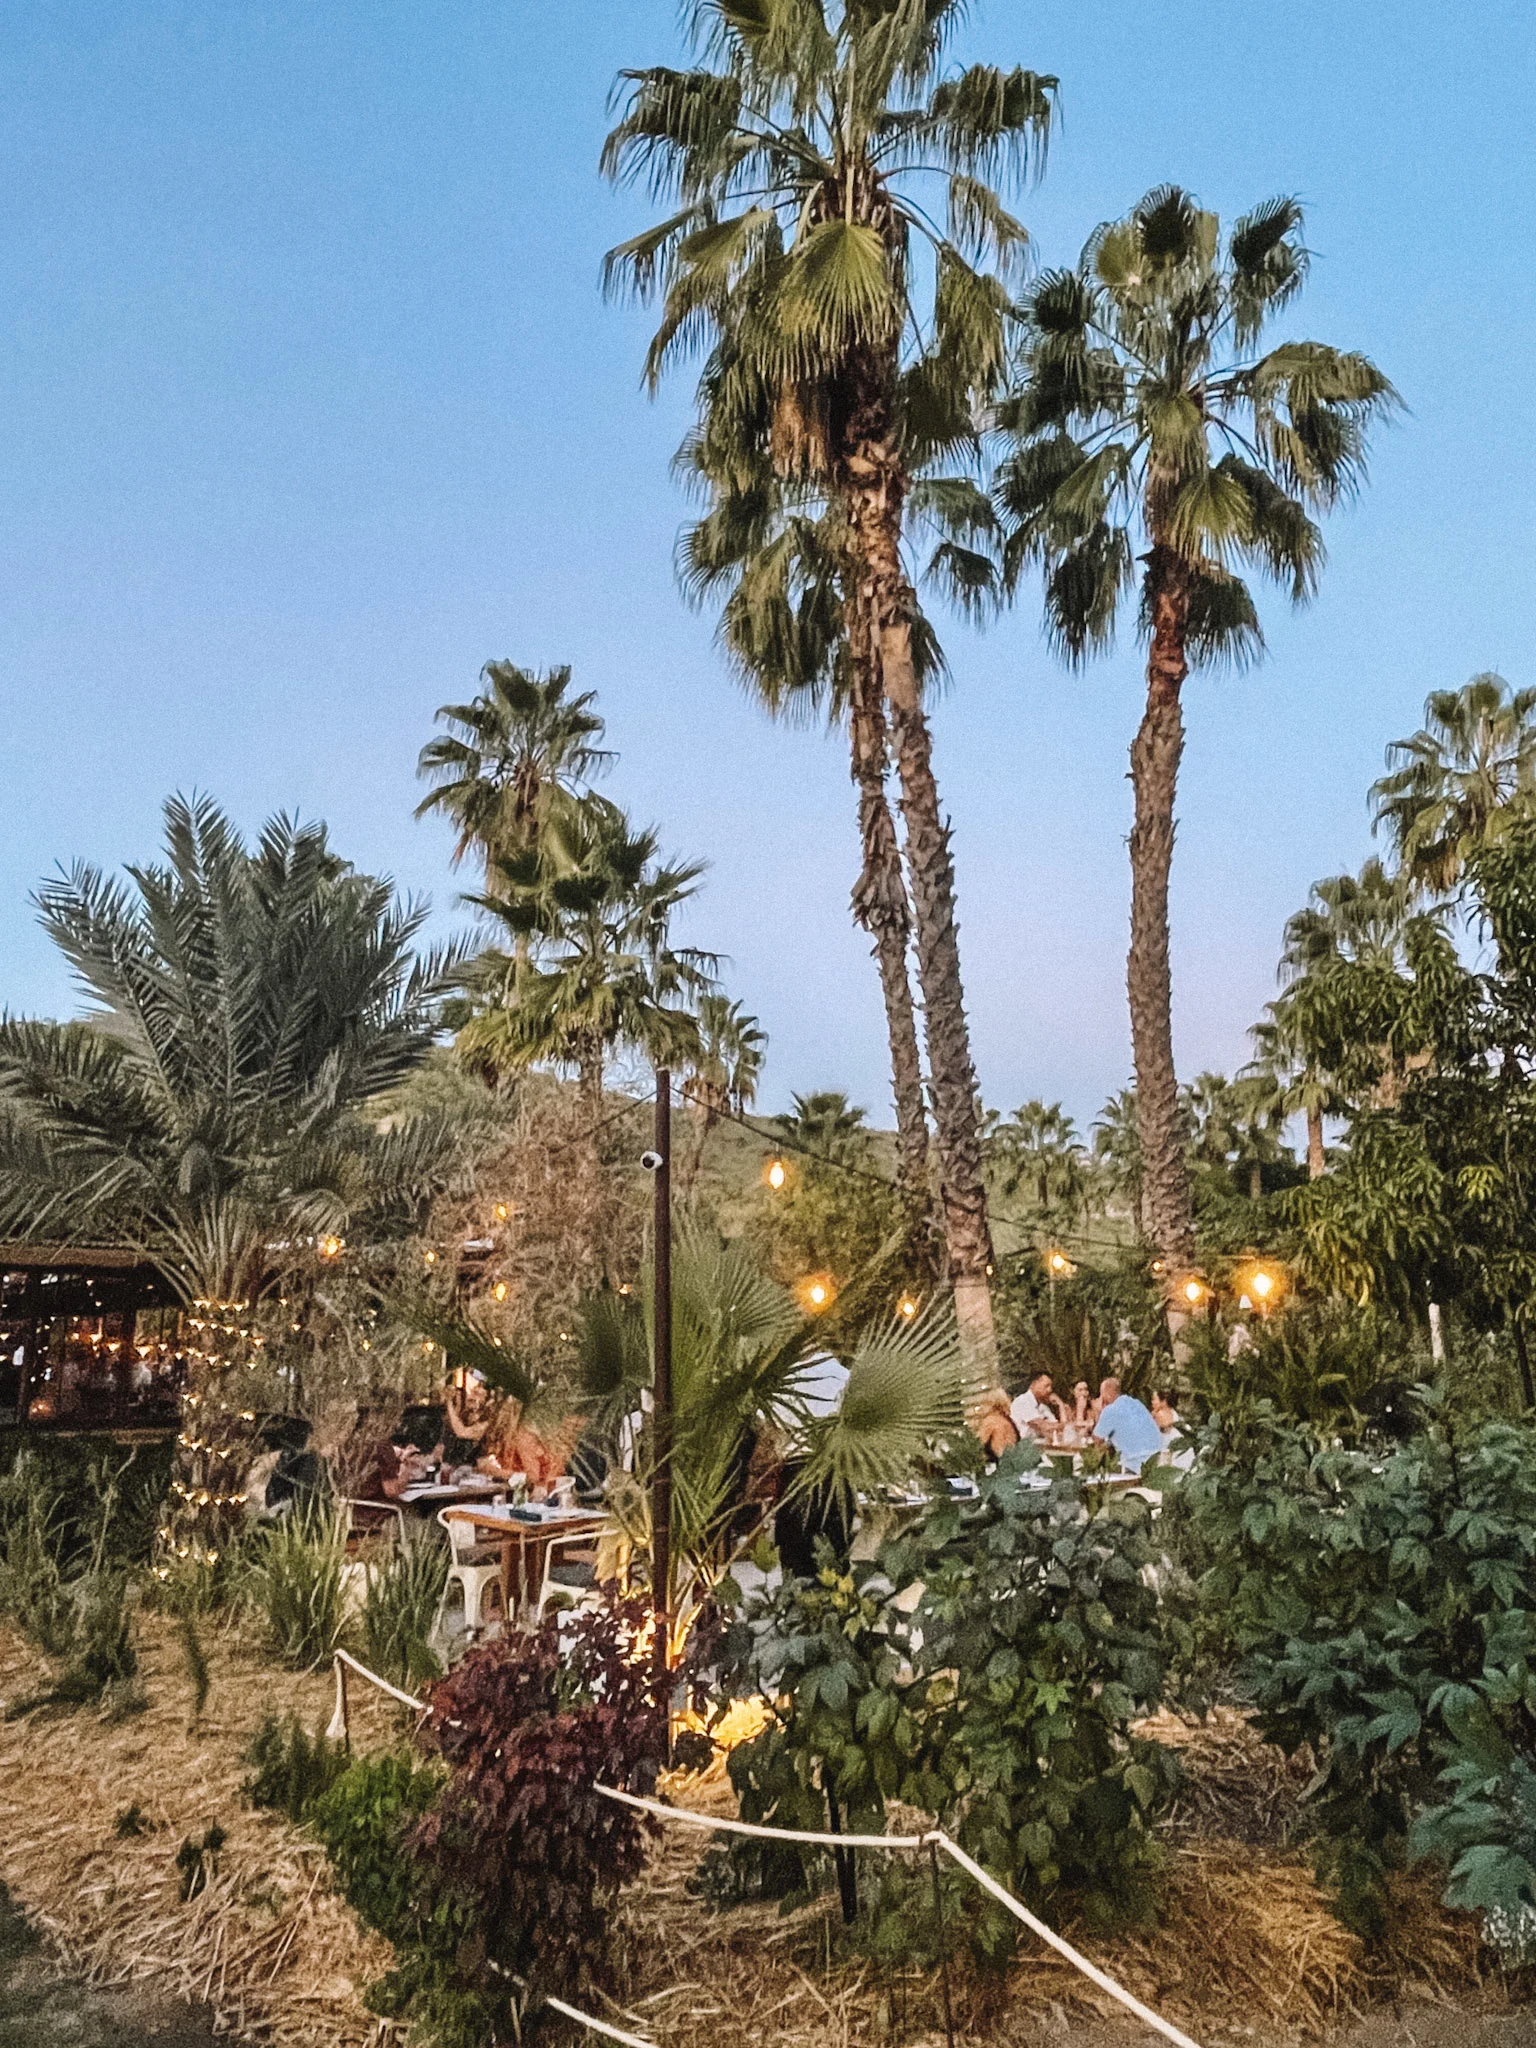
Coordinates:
(652, 1161)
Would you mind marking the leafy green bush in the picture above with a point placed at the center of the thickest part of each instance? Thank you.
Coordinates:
(843, 1741)
(78, 1616)
(290, 1769)
(1385, 1609)
(293, 1576)
(1040, 1646)
(367, 1821)
(1484, 1832)
(1332, 1365)
(405, 1589)
(1002, 1703)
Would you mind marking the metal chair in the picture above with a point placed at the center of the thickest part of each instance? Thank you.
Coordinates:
(474, 1569)
(570, 1573)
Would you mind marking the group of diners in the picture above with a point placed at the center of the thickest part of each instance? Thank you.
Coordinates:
(1134, 1429)
(465, 1434)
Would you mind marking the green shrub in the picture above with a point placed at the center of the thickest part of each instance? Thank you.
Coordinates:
(80, 1619)
(290, 1769)
(197, 1862)
(405, 1590)
(1002, 1703)
(367, 1821)
(293, 1576)
(844, 1738)
(1385, 1610)
(1328, 1364)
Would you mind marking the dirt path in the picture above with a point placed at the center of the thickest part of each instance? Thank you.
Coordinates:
(40, 2008)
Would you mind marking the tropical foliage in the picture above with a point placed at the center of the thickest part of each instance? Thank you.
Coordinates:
(795, 151)
(1158, 451)
(246, 1004)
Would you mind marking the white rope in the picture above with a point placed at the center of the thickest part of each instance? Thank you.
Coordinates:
(746, 1827)
(1064, 1948)
(585, 2019)
(939, 1840)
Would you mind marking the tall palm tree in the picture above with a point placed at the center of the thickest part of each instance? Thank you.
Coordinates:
(1454, 784)
(794, 148)
(791, 627)
(1289, 1074)
(600, 973)
(519, 751)
(1158, 451)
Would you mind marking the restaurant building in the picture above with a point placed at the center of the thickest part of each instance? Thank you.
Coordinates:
(89, 1339)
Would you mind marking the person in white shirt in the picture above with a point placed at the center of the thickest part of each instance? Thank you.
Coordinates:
(1035, 1412)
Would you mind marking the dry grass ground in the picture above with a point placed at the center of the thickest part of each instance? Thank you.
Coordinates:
(1245, 1948)
(266, 1947)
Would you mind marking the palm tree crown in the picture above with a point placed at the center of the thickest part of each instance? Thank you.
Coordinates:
(519, 751)
(245, 1006)
(1455, 783)
(602, 974)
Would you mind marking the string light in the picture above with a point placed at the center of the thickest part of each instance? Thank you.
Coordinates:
(776, 1173)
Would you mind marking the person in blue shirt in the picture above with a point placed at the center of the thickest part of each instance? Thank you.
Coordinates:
(1128, 1424)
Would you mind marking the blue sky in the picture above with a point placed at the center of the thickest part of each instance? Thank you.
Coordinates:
(309, 405)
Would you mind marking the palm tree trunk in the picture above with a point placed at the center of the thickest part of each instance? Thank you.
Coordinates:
(1155, 754)
(1317, 1165)
(1255, 1180)
(874, 486)
(880, 905)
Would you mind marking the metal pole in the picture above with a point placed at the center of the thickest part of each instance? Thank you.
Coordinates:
(938, 1915)
(661, 1378)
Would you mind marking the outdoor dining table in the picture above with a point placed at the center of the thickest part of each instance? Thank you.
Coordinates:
(520, 1530)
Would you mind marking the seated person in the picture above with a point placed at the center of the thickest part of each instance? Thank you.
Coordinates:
(1036, 1412)
(994, 1424)
(467, 1422)
(1164, 1414)
(1128, 1424)
(298, 1482)
(512, 1447)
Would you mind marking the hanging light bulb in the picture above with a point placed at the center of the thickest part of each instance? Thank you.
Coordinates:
(776, 1173)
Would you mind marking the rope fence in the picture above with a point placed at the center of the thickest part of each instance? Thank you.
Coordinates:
(680, 1816)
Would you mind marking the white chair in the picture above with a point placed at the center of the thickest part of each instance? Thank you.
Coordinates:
(366, 1519)
(570, 1574)
(476, 1570)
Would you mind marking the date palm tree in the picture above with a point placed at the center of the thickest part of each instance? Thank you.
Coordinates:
(519, 751)
(1454, 784)
(594, 970)
(795, 149)
(212, 1110)
(1116, 1132)
(1158, 452)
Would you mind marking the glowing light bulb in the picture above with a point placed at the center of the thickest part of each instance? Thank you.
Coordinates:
(1263, 1285)
(500, 1290)
(330, 1247)
(817, 1293)
(906, 1307)
(776, 1175)
(431, 1258)
(1193, 1290)
(501, 1212)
